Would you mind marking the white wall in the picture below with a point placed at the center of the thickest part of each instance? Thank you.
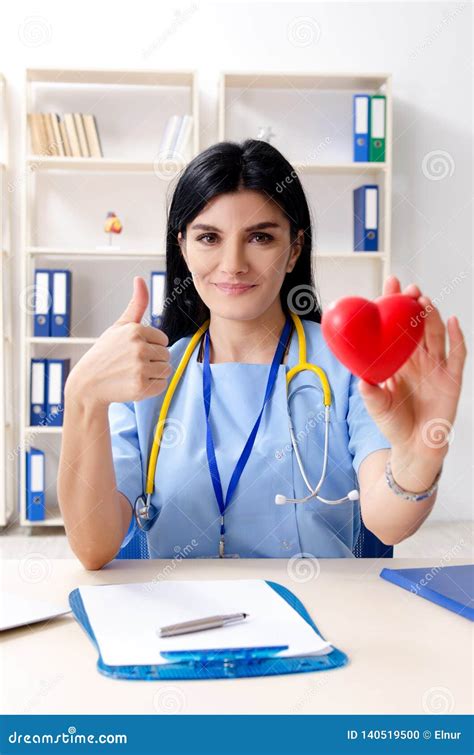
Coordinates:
(427, 47)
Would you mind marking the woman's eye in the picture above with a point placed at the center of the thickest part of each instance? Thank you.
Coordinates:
(265, 236)
(206, 236)
(210, 238)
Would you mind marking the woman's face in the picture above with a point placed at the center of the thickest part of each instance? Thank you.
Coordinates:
(238, 252)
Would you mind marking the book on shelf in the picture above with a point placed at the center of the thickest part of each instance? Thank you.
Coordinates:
(176, 137)
(75, 135)
(81, 135)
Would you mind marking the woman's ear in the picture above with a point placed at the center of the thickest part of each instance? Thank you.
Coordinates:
(296, 249)
(182, 245)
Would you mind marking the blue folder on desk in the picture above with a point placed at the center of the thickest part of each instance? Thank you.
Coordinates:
(218, 664)
(449, 586)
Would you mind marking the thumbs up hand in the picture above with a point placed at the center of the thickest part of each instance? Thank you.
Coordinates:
(137, 305)
(129, 362)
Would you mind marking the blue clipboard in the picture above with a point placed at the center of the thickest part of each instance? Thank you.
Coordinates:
(218, 664)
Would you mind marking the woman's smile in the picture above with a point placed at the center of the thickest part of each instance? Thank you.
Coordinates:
(235, 289)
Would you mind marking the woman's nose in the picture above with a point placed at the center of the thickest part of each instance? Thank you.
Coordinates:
(233, 258)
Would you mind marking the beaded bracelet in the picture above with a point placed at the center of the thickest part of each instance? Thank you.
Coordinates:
(406, 493)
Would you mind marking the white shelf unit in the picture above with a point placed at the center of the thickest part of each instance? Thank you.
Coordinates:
(311, 117)
(7, 467)
(131, 108)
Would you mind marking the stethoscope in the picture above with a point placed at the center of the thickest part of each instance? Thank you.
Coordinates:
(146, 512)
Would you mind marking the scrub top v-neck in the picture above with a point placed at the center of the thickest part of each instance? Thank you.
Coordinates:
(188, 523)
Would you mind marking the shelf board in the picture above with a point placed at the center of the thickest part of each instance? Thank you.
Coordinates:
(52, 252)
(42, 430)
(132, 77)
(65, 340)
(321, 81)
(103, 254)
(53, 521)
(349, 255)
(352, 167)
(104, 165)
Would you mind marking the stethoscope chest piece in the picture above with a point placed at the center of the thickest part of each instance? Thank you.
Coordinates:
(145, 511)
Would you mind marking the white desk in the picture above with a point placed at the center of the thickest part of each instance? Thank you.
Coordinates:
(406, 655)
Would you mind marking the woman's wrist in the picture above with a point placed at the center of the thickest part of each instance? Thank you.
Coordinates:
(413, 474)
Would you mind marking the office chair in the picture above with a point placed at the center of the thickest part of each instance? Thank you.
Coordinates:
(367, 546)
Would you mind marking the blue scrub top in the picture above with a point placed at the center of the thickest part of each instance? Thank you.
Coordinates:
(188, 524)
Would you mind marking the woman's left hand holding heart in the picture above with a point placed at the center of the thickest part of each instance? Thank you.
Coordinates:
(416, 407)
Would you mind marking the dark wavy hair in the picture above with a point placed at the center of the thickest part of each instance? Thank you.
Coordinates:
(224, 168)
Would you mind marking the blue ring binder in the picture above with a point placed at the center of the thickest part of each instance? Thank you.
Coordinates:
(212, 664)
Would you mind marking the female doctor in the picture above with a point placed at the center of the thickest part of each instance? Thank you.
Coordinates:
(238, 261)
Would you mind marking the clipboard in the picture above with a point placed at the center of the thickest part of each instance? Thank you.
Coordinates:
(219, 664)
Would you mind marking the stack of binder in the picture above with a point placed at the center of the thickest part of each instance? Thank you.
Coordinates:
(157, 299)
(52, 303)
(35, 485)
(369, 127)
(47, 380)
(366, 218)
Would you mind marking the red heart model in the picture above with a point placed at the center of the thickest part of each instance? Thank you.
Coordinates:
(373, 338)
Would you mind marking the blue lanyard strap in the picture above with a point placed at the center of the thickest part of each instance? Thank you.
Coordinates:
(211, 454)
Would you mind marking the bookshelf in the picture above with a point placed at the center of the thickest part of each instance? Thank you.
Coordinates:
(7, 468)
(289, 103)
(130, 168)
(131, 108)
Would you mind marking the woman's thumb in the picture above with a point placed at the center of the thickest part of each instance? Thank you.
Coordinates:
(376, 399)
(137, 305)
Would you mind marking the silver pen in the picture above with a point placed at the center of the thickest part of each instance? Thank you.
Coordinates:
(198, 625)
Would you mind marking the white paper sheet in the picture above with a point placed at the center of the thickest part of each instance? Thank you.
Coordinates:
(16, 610)
(125, 619)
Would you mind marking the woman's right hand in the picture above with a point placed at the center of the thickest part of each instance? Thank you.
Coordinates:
(129, 361)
